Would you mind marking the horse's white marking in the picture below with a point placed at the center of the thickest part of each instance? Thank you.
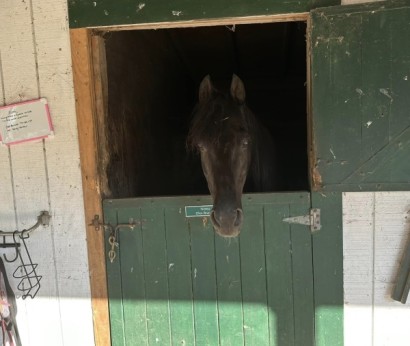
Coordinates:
(369, 123)
(333, 154)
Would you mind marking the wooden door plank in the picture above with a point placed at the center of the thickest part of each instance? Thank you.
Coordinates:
(230, 312)
(114, 283)
(302, 277)
(328, 270)
(278, 249)
(131, 258)
(156, 275)
(204, 282)
(253, 266)
(180, 278)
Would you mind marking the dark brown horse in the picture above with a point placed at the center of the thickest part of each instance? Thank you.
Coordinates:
(232, 143)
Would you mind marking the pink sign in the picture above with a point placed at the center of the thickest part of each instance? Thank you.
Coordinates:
(25, 121)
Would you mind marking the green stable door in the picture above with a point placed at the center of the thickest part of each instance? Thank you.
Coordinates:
(175, 282)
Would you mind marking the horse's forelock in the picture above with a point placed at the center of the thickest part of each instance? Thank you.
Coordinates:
(209, 119)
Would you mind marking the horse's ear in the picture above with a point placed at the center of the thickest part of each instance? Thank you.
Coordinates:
(237, 89)
(205, 89)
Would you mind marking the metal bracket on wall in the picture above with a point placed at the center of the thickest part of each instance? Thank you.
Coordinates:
(113, 237)
(26, 272)
(312, 220)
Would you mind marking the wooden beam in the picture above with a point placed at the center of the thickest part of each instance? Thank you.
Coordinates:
(87, 133)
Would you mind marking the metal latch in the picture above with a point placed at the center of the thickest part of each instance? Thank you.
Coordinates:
(113, 237)
(312, 220)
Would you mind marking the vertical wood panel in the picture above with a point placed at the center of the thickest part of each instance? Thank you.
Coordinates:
(358, 262)
(376, 234)
(63, 175)
(132, 276)
(391, 236)
(84, 96)
(279, 265)
(302, 275)
(230, 310)
(156, 276)
(253, 264)
(114, 280)
(204, 283)
(328, 270)
(180, 278)
(30, 184)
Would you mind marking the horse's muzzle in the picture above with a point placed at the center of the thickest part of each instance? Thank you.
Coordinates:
(227, 223)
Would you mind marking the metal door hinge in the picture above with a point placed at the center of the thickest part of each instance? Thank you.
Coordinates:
(312, 220)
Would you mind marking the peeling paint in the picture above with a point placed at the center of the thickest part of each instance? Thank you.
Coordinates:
(176, 13)
(140, 6)
(405, 78)
(385, 92)
(369, 123)
(333, 154)
(359, 91)
(106, 12)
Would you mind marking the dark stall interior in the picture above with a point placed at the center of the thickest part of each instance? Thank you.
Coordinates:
(153, 78)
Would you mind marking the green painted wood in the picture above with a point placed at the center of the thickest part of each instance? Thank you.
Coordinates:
(85, 13)
(133, 288)
(114, 284)
(156, 278)
(254, 286)
(229, 288)
(302, 279)
(360, 95)
(179, 283)
(278, 248)
(180, 278)
(204, 282)
(328, 270)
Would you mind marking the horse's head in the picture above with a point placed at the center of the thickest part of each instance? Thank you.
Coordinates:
(222, 130)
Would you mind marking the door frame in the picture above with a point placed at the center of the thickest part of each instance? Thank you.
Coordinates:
(89, 73)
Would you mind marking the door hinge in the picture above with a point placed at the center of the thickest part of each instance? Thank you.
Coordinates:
(312, 220)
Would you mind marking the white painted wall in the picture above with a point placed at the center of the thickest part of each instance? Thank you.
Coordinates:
(35, 61)
(376, 229)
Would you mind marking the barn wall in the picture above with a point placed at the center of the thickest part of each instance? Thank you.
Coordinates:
(376, 232)
(35, 61)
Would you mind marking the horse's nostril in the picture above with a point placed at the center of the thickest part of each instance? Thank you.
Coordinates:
(214, 220)
(239, 217)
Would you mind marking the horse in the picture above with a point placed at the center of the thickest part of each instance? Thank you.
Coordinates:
(234, 148)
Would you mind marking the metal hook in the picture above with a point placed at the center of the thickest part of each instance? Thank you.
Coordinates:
(15, 247)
